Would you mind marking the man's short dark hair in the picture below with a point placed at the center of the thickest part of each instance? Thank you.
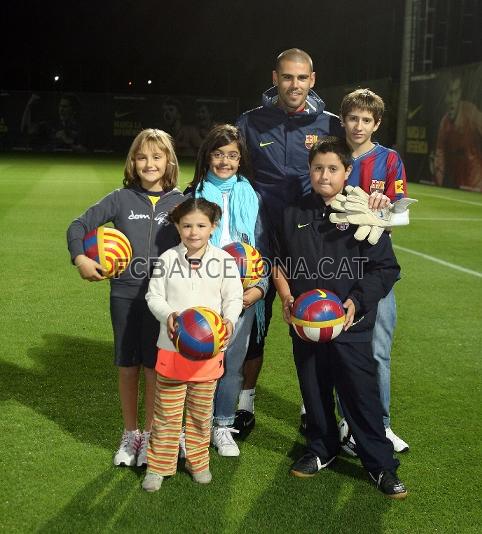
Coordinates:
(294, 54)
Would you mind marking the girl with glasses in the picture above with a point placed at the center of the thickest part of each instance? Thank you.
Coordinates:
(221, 173)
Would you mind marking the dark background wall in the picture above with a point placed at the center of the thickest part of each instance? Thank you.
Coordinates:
(193, 47)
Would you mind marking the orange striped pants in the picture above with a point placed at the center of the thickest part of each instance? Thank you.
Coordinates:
(171, 396)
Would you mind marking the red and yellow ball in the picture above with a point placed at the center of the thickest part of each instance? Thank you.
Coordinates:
(249, 262)
(110, 248)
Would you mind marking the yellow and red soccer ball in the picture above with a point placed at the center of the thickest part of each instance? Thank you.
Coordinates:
(110, 248)
(200, 333)
(318, 315)
(249, 262)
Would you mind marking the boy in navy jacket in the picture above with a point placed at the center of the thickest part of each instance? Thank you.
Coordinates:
(360, 274)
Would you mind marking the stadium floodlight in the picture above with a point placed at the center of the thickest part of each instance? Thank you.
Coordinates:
(149, 82)
(56, 78)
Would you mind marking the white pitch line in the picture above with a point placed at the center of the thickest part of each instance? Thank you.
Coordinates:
(437, 260)
(452, 219)
(449, 199)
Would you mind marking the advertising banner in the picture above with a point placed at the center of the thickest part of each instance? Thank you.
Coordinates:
(89, 122)
(444, 128)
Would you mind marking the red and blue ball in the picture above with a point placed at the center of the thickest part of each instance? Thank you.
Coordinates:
(318, 315)
(200, 333)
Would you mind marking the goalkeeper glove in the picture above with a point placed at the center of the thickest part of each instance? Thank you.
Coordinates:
(354, 210)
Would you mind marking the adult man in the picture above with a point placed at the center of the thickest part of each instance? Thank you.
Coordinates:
(458, 156)
(279, 135)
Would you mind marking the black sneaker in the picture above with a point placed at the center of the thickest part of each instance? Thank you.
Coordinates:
(243, 422)
(308, 465)
(388, 483)
(302, 427)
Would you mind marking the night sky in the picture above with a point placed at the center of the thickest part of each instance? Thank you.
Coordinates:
(208, 48)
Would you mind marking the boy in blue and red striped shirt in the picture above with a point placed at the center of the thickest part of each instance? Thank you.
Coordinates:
(375, 167)
(379, 171)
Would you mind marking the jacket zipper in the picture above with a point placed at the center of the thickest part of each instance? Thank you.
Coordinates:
(153, 211)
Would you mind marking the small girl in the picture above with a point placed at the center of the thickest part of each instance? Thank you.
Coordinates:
(194, 273)
(220, 177)
(139, 210)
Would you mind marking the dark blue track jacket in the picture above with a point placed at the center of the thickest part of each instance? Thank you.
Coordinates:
(278, 145)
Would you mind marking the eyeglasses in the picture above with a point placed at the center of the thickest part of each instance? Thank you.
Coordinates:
(231, 156)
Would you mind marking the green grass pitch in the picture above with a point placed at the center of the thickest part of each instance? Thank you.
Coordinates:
(60, 417)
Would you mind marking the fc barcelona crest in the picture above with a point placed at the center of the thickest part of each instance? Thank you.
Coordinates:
(310, 140)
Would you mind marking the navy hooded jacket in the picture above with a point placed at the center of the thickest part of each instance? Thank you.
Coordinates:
(279, 143)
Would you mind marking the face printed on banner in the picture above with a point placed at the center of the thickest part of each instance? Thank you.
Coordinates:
(150, 164)
(294, 80)
(328, 175)
(224, 161)
(453, 97)
(66, 111)
(170, 114)
(203, 116)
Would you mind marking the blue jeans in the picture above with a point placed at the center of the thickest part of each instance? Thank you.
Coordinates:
(230, 384)
(382, 346)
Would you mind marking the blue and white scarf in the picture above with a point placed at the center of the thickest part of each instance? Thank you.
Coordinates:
(243, 213)
(243, 205)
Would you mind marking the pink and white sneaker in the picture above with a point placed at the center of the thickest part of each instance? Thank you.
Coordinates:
(142, 450)
(129, 445)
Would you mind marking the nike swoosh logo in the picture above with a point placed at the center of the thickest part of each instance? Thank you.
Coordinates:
(303, 225)
(119, 115)
(411, 114)
(261, 144)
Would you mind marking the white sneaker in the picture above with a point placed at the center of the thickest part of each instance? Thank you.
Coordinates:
(152, 482)
(398, 444)
(347, 441)
(224, 442)
(204, 477)
(142, 450)
(182, 444)
(126, 455)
